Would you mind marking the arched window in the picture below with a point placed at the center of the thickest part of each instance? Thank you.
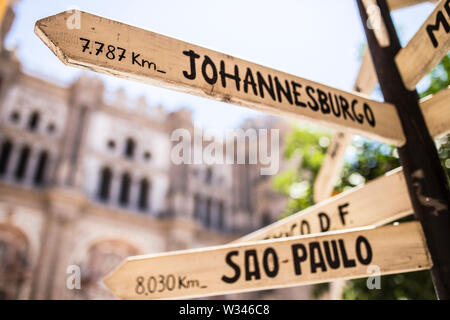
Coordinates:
(130, 146)
(39, 174)
(13, 262)
(33, 122)
(15, 116)
(102, 258)
(209, 175)
(147, 155)
(144, 188)
(197, 207)
(124, 196)
(51, 127)
(23, 163)
(207, 220)
(111, 144)
(5, 154)
(220, 216)
(104, 184)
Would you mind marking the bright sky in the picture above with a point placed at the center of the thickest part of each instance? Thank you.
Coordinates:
(317, 40)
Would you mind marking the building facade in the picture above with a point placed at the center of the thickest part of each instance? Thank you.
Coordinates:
(87, 180)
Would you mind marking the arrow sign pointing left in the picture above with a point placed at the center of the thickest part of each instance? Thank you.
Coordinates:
(271, 264)
(114, 48)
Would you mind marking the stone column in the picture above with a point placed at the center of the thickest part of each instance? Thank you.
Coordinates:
(64, 206)
(134, 193)
(30, 170)
(13, 160)
(115, 188)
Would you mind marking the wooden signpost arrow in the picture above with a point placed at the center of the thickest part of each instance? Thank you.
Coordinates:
(122, 50)
(331, 166)
(118, 49)
(436, 111)
(334, 158)
(3, 7)
(366, 79)
(271, 264)
(428, 46)
(378, 202)
(398, 4)
(427, 184)
(365, 83)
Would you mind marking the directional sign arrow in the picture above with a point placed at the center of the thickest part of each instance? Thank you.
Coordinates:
(118, 49)
(398, 4)
(334, 158)
(271, 264)
(3, 6)
(436, 111)
(379, 201)
(331, 166)
(428, 46)
(366, 79)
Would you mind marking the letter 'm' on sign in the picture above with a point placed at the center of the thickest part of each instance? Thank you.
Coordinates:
(428, 46)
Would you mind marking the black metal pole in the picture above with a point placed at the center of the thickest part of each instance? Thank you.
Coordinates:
(425, 177)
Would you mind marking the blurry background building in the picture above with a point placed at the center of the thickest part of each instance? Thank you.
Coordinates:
(86, 179)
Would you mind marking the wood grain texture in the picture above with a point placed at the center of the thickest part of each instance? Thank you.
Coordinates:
(334, 158)
(331, 166)
(379, 201)
(168, 64)
(399, 4)
(427, 47)
(333, 162)
(271, 264)
(376, 24)
(367, 78)
(424, 175)
(3, 6)
(436, 111)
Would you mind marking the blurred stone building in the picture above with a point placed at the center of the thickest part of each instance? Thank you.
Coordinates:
(88, 181)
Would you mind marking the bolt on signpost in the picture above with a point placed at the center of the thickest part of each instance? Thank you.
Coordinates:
(337, 250)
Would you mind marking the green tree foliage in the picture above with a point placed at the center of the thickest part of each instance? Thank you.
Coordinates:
(440, 79)
(414, 285)
(368, 160)
(403, 286)
(310, 147)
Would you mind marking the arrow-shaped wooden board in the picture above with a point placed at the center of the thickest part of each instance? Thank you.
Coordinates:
(428, 46)
(436, 111)
(334, 158)
(3, 6)
(366, 79)
(122, 50)
(379, 201)
(271, 264)
(398, 4)
(331, 166)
